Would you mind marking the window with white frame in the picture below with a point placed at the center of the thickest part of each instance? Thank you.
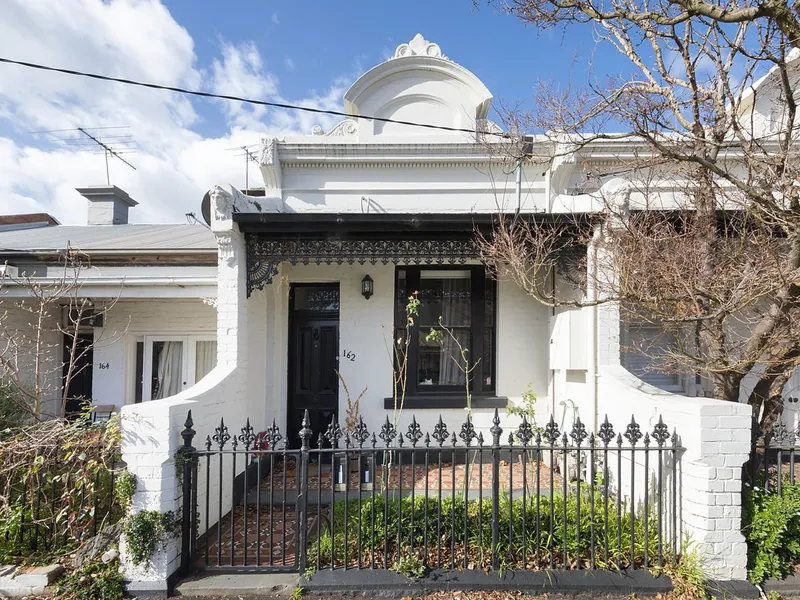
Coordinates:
(168, 364)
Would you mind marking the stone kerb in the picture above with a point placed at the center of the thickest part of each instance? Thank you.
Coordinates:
(716, 438)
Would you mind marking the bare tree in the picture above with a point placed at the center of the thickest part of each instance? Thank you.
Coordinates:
(40, 353)
(699, 190)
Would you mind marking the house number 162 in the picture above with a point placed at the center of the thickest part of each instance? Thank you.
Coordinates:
(349, 355)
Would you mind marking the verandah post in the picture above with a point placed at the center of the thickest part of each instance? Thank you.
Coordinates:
(186, 454)
(496, 432)
(302, 499)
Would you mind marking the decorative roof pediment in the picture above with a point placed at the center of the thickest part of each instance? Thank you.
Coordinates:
(419, 46)
(417, 84)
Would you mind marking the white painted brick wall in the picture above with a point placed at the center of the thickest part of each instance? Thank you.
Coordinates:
(716, 436)
(151, 431)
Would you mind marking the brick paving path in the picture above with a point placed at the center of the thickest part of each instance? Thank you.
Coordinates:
(266, 534)
(478, 477)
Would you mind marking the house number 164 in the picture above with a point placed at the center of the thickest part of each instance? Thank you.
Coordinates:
(349, 355)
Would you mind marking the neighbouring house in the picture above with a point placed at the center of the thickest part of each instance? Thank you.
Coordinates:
(310, 277)
(150, 330)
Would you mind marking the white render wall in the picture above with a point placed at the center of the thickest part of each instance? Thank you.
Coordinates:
(417, 188)
(20, 325)
(113, 377)
(366, 329)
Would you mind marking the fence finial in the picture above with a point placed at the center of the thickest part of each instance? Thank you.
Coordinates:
(496, 430)
(305, 431)
(188, 433)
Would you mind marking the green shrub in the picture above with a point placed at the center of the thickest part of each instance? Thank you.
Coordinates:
(124, 488)
(771, 525)
(456, 519)
(94, 581)
(147, 530)
(56, 487)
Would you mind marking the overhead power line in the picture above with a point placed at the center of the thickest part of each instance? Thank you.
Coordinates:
(308, 109)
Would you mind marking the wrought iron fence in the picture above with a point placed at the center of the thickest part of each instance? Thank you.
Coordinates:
(775, 458)
(528, 498)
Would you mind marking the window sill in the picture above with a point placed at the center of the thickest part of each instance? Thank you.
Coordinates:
(447, 401)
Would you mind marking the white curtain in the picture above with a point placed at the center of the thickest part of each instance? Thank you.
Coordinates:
(205, 359)
(455, 311)
(170, 370)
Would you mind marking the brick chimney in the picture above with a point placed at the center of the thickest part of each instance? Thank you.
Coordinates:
(108, 205)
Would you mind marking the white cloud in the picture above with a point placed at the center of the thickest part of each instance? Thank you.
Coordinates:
(137, 39)
(275, 18)
(288, 63)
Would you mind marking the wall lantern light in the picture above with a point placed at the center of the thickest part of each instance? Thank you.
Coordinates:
(367, 287)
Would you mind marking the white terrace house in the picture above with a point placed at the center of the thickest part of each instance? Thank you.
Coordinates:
(313, 276)
(151, 329)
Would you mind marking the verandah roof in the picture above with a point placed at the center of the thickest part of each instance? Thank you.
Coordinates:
(273, 238)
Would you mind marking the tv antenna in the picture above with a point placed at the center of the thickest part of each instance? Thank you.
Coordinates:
(248, 157)
(93, 140)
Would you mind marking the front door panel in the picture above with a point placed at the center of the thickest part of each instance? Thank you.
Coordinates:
(313, 361)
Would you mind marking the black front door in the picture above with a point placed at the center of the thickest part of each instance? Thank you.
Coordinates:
(80, 383)
(313, 358)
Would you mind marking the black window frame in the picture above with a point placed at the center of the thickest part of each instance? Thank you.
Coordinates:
(483, 395)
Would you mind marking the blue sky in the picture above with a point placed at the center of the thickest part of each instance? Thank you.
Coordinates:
(311, 43)
(302, 52)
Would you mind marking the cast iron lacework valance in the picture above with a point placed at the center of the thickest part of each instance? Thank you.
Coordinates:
(264, 255)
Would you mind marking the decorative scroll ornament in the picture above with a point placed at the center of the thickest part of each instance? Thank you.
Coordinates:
(440, 432)
(551, 431)
(221, 435)
(273, 435)
(388, 432)
(360, 433)
(264, 254)
(346, 127)
(660, 432)
(606, 432)
(467, 431)
(414, 433)
(334, 433)
(419, 46)
(525, 432)
(781, 436)
(578, 432)
(248, 435)
(633, 433)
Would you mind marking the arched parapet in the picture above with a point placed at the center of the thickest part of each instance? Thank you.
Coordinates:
(418, 84)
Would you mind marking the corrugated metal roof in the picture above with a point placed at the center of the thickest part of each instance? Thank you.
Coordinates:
(146, 238)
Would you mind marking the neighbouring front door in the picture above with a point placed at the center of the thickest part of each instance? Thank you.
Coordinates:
(313, 357)
(80, 375)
